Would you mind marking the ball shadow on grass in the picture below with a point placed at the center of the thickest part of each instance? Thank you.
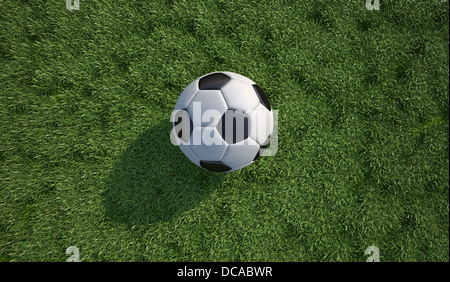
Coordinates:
(153, 181)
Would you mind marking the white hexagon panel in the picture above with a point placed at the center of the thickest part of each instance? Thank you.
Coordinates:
(207, 107)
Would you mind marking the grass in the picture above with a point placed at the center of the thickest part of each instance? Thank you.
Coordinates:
(363, 153)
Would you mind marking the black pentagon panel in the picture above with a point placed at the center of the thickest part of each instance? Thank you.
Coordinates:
(233, 126)
(262, 96)
(183, 129)
(214, 81)
(215, 166)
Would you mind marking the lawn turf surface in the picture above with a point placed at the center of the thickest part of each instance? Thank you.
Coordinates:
(363, 152)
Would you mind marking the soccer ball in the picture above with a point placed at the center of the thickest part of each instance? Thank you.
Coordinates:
(222, 121)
